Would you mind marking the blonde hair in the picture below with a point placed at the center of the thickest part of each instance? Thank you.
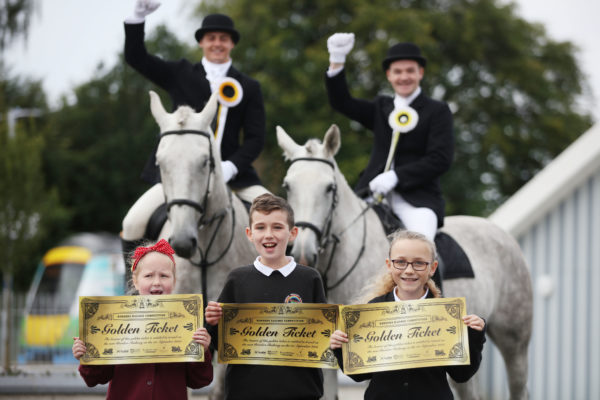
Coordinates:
(383, 283)
(130, 289)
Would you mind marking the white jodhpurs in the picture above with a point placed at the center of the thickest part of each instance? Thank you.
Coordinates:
(134, 223)
(418, 219)
(249, 193)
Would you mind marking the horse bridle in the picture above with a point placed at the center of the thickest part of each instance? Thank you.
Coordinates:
(186, 202)
(322, 234)
(204, 263)
(325, 237)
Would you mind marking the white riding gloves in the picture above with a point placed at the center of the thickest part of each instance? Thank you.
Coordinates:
(383, 183)
(339, 45)
(229, 170)
(141, 10)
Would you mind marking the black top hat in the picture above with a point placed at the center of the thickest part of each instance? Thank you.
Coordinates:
(403, 51)
(219, 23)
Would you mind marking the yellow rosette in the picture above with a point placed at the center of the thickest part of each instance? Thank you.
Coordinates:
(230, 92)
(403, 119)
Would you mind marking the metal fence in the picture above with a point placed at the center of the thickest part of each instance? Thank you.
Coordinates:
(19, 345)
(11, 328)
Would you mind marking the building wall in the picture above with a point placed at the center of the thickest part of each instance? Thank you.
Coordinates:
(563, 251)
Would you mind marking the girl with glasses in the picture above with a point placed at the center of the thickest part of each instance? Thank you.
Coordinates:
(407, 276)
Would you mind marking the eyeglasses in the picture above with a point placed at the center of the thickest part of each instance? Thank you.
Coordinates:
(416, 265)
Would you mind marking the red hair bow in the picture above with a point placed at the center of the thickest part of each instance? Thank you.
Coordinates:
(161, 247)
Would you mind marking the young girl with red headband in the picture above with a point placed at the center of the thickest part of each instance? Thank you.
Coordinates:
(153, 273)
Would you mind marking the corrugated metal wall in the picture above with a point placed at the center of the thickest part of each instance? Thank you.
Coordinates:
(563, 252)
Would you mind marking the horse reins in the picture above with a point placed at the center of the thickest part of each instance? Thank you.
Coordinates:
(324, 233)
(201, 208)
(324, 237)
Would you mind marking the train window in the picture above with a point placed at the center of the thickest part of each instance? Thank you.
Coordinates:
(57, 289)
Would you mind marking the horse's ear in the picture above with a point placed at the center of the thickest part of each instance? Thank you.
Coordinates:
(208, 113)
(286, 143)
(156, 107)
(332, 140)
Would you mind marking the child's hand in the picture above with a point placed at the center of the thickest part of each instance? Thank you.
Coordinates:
(78, 348)
(475, 322)
(201, 336)
(213, 313)
(337, 338)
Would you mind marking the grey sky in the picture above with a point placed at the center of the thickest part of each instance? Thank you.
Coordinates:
(68, 38)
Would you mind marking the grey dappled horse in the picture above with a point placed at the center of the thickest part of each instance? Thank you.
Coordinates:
(206, 222)
(344, 240)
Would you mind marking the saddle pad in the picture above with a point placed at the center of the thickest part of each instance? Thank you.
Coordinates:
(389, 220)
(156, 222)
(455, 260)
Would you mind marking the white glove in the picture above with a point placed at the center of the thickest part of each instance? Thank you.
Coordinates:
(142, 8)
(229, 170)
(339, 45)
(384, 182)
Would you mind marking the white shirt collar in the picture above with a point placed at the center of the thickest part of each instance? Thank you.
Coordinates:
(215, 72)
(267, 271)
(401, 102)
(396, 298)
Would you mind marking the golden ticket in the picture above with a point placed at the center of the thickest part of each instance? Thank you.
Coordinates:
(400, 335)
(292, 334)
(140, 329)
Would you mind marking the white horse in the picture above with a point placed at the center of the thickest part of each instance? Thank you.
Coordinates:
(342, 237)
(206, 222)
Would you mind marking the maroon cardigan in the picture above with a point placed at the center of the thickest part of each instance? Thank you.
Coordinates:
(150, 381)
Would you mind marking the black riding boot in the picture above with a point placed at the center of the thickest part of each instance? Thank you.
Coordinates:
(437, 275)
(128, 247)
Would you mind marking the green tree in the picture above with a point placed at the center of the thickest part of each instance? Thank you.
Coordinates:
(26, 206)
(14, 20)
(98, 143)
(511, 87)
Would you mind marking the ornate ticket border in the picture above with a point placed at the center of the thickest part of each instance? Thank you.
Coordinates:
(455, 308)
(139, 308)
(229, 354)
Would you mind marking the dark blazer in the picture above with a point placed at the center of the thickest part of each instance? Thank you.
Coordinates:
(422, 155)
(419, 383)
(187, 85)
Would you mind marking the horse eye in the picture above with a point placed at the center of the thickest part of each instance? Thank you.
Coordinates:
(331, 187)
(285, 186)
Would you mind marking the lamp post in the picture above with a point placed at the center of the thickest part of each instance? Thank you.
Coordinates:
(7, 289)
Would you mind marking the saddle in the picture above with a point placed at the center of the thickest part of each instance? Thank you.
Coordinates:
(453, 261)
(156, 222)
(159, 217)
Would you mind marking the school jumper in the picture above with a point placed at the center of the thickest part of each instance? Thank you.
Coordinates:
(419, 383)
(149, 381)
(264, 382)
(422, 155)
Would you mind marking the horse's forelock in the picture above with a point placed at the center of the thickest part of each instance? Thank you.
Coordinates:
(184, 114)
(313, 147)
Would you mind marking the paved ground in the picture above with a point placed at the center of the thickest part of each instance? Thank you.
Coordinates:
(62, 382)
